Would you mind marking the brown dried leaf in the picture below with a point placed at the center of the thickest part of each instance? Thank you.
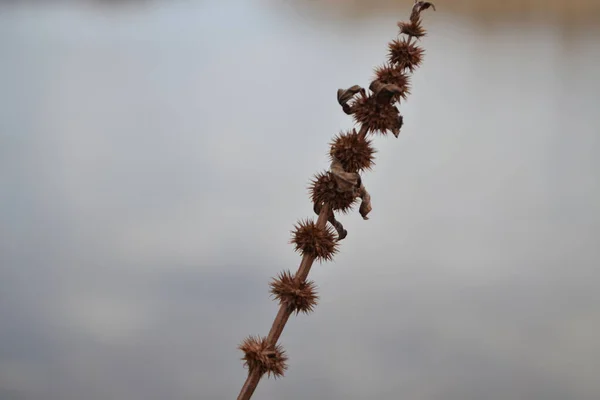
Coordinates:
(418, 7)
(345, 95)
(365, 205)
(385, 93)
(341, 232)
(346, 181)
(390, 73)
(400, 122)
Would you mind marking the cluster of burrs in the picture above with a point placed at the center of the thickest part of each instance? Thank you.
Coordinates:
(338, 189)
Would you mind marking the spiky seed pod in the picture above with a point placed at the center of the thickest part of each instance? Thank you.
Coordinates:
(395, 75)
(405, 54)
(297, 296)
(324, 189)
(259, 355)
(375, 116)
(317, 242)
(353, 151)
(413, 28)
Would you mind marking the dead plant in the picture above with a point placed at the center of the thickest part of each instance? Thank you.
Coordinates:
(338, 189)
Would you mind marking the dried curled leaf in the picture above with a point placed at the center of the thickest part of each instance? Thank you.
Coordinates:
(353, 151)
(351, 182)
(318, 242)
(376, 117)
(326, 189)
(385, 93)
(259, 355)
(299, 296)
(365, 205)
(392, 74)
(418, 7)
(405, 54)
(341, 232)
(345, 95)
(347, 181)
(400, 123)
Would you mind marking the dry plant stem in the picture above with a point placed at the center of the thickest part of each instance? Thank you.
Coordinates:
(284, 312)
(250, 385)
(363, 131)
(375, 110)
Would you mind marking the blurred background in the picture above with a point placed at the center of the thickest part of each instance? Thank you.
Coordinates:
(154, 156)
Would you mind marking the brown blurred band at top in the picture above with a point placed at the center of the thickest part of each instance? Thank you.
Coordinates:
(568, 12)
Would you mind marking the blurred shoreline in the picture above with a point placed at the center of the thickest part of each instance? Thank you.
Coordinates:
(567, 13)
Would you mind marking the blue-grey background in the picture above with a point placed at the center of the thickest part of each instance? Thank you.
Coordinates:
(155, 155)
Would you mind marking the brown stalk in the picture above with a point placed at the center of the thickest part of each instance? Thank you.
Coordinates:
(283, 315)
(337, 190)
